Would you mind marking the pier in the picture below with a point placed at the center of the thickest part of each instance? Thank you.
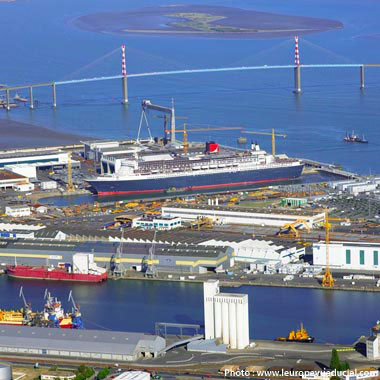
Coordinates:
(297, 68)
(329, 168)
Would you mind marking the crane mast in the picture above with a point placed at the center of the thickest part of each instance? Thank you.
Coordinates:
(274, 135)
(185, 131)
(328, 280)
(70, 186)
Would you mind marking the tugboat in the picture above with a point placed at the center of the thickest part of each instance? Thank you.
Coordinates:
(352, 138)
(300, 336)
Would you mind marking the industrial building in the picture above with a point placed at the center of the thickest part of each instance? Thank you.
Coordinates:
(226, 316)
(355, 187)
(293, 202)
(57, 375)
(10, 179)
(48, 185)
(158, 223)
(83, 344)
(5, 372)
(93, 149)
(41, 158)
(372, 347)
(18, 211)
(243, 215)
(255, 251)
(167, 257)
(133, 375)
(348, 255)
(24, 187)
(29, 231)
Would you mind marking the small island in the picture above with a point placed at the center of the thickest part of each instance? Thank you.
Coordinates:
(204, 21)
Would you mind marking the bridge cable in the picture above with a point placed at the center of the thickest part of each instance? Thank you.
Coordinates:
(327, 51)
(91, 64)
(263, 53)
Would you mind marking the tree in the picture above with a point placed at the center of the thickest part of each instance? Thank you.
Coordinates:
(335, 362)
(103, 373)
(88, 372)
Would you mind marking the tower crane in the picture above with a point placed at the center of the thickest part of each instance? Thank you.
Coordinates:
(274, 135)
(70, 186)
(185, 133)
(328, 280)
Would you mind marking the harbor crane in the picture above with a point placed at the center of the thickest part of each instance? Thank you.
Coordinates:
(115, 264)
(274, 135)
(148, 105)
(75, 306)
(185, 131)
(328, 280)
(151, 271)
(27, 307)
(70, 186)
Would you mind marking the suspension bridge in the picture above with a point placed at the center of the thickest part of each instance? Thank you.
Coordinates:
(296, 67)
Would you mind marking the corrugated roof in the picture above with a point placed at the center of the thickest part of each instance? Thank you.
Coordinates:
(95, 341)
(140, 249)
(241, 209)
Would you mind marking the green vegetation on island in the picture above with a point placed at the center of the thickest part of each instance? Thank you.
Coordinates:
(201, 22)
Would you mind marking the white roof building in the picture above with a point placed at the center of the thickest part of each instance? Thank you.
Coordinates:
(251, 250)
(348, 255)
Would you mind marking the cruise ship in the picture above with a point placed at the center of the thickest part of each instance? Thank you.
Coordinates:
(157, 168)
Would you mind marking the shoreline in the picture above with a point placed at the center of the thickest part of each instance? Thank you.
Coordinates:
(203, 21)
(17, 134)
(238, 284)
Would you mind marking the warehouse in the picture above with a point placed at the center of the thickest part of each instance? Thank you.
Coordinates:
(84, 344)
(167, 257)
(18, 211)
(37, 158)
(9, 179)
(240, 215)
(348, 255)
(253, 250)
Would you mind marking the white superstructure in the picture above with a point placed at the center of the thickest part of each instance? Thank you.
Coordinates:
(146, 164)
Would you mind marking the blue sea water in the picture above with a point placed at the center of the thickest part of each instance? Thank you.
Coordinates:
(126, 305)
(42, 45)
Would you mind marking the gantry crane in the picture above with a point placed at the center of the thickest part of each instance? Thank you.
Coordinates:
(274, 135)
(185, 133)
(328, 280)
(70, 186)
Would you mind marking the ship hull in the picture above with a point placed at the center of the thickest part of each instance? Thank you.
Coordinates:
(36, 273)
(220, 181)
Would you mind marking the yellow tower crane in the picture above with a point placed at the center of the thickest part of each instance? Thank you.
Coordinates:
(185, 133)
(274, 135)
(70, 186)
(328, 280)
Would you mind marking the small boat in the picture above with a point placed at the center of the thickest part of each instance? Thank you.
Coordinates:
(18, 98)
(352, 138)
(299, 336)
(242, 140)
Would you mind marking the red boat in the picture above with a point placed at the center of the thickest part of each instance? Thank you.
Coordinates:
(54, 273)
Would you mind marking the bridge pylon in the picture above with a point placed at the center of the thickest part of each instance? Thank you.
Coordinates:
(124, 76)
(297, 68)
(362, 77)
